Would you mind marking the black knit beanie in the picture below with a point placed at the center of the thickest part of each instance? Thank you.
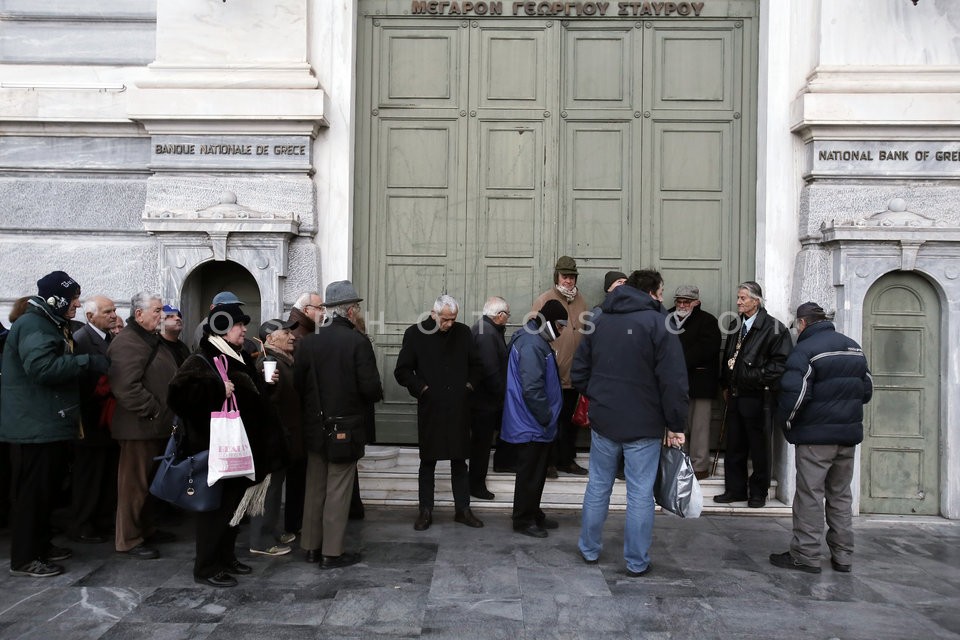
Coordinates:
(58, 290)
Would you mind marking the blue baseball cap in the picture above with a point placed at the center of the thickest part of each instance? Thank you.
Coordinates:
(167, 310)
(226, 297)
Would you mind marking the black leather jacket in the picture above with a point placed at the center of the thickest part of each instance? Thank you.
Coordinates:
(762, 358)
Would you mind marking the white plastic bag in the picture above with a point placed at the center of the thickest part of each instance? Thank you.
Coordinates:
(676, 488)
(230, 453)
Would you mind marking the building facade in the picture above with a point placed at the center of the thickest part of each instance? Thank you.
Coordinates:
(189, 146)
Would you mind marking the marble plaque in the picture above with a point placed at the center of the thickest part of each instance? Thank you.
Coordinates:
(231, 153)
(883, 158)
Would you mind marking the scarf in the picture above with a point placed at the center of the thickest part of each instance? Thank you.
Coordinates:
(225, 347)
(569, 294)
(282, 356)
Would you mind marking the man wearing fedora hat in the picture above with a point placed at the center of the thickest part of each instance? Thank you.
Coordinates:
(564, 290)
(335, 373)
(700, 337)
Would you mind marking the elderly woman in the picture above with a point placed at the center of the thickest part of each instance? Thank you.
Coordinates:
(195, 392)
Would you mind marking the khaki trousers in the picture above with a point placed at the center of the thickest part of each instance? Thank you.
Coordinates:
(326, 507)
(698, 423)
(134, 472)
(824, 474)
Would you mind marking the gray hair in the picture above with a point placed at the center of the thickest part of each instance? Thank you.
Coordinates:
(753, 290)
(341, 311)
(142, 300)
(445, 301)
(494, 305)
(304, 299)
(90, 306)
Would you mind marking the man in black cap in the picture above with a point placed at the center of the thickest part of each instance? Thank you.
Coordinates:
(753, 361)
(335, 373)
(820, 409)
(565, 291)
(39, 415)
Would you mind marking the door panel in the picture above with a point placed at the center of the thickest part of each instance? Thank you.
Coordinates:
(494, 145)
(900, 465)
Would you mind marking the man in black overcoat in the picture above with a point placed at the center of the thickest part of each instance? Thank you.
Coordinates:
(439, 366)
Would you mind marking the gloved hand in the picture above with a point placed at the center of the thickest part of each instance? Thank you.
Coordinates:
(98, 363)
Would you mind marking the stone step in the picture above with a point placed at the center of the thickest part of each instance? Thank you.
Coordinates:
(388, 476)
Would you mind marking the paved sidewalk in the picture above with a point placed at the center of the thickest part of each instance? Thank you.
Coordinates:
(711, 579)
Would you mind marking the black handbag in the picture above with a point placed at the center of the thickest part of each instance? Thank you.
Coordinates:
(182, 480)
(344, 438)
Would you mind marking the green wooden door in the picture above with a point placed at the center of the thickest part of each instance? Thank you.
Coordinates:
(900, 467)
(487, 148)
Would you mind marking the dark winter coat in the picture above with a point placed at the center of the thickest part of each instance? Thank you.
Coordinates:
(286, 403)
(447, 362)
(305, 325)
(488, 337)
(93, 389)
(762, 358)
(534, 395)
(140, 371)
(197, 390)
(824, 388)
(40, 388)
(631, 368)
(335, 373)
(700, 338)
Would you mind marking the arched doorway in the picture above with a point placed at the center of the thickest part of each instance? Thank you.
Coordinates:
(206, 281)
(900, 456)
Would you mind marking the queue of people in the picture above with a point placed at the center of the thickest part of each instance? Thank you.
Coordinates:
(102, 401)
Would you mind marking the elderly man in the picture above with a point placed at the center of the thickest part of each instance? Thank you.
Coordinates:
(700, 336)
(487, 407)
(757, 348)
(822, 393)
(141, 369)
(565, 291)
(439, 366)
(95, 454)
(631, 368)
(39, 396)
(308, 313)
(335, 373)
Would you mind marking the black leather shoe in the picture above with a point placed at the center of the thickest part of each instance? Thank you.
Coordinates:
(424, 520)
(841, 568)
(533, 530)
(222, 579)
(143, 552)
(552, 473)
(756, 502)
(482, 494)
(55, 553)
(726, 497)
(548, 523)
(639, 574)
(313, 555)
(342, 560)
(573, 468)
(238, 568)
(786, 560)
(466, 517)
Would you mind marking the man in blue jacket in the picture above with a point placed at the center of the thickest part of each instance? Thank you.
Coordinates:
(631, 367)
(822, 393)
(531, 410)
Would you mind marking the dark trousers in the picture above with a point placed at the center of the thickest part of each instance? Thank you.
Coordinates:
(484, 424)
(6, 491)
(295, 493)
(37, 472)
(528, 489)
(216, 539)
(565, 446)
(459, 478)
(94, 488)
(747, 437)
(505, 457)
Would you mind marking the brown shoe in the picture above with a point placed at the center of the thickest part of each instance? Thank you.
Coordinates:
(424, 520)
(702, 475)
(466, 517)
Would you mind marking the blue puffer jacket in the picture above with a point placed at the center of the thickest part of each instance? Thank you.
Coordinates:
(534, 396)
(824, 388)
(632, 369)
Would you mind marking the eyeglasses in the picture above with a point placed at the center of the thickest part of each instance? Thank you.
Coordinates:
(506, 313)
(315, 306)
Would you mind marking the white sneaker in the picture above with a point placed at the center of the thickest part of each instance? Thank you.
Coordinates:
(276, 550)
(287, 538)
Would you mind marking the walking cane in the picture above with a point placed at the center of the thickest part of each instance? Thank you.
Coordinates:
(723, 432)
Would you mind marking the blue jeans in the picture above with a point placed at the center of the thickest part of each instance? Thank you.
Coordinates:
(641, 460)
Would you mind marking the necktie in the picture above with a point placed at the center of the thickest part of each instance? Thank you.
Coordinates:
(743, 331)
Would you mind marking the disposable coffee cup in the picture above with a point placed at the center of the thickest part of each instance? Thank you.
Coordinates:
(269, 368)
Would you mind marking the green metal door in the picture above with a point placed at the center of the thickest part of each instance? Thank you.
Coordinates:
(488, 147)
(900, 467)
